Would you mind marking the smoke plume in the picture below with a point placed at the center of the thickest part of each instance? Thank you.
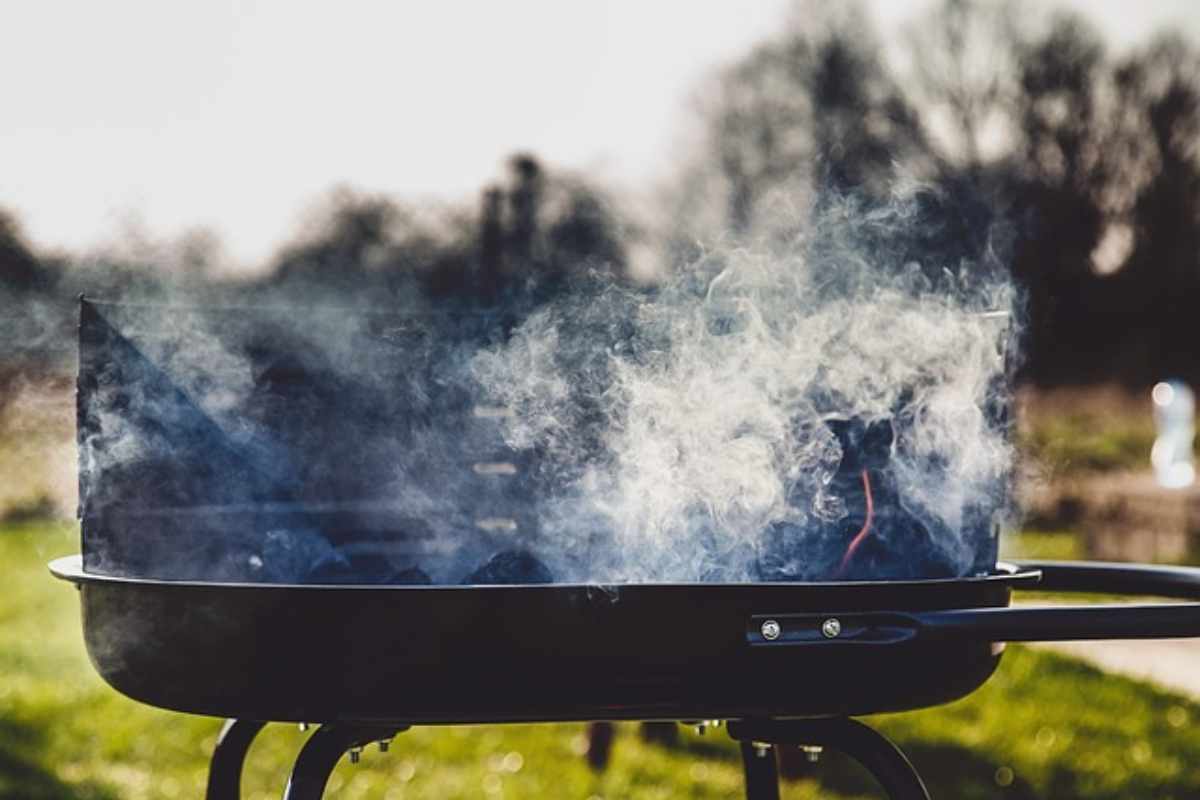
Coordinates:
(830, 404)
(695, 431)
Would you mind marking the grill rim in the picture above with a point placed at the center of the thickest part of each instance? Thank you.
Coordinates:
(70, 568)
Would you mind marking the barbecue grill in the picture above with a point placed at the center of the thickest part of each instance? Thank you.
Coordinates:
(185, 609)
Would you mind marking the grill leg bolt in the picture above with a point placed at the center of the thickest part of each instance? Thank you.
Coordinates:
(384, 745)
(812, 752)
(303, 726)
(355, 754)
(762, 749)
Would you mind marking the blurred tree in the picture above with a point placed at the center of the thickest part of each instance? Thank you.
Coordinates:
(557, 226)
(816, 103)
(524, 203)
(1108, 174)
(963, 64)
(34, 330)
(347, 236)
(531, 233)
(491, 241)
(1094, 162)
(1159, 220)
(1058, 179)
(196, 254)
(20, 269)
(353, 246)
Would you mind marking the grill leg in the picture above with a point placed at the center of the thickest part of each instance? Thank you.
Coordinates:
(322, 752)
(225, 768)
(865, 745)
(761, 771)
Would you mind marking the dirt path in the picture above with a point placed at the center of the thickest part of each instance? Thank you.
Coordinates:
(1171, 663)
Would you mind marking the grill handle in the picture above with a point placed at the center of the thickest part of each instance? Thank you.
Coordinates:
(1060, 623)
(1024, 624)
(1096, 621)
(1110, 577)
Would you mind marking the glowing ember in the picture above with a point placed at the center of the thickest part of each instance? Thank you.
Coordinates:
(866, 528)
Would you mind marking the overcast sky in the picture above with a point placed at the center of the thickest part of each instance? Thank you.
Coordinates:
(236, 115)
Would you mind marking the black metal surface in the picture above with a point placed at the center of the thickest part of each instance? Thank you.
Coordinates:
(1054, 624)
(229, 755)
(476, 654)
(1158, 580)
(1032, 624)
(1027, 624)
(321, 754)
(674, 651)
(760, 770)
(868, 747)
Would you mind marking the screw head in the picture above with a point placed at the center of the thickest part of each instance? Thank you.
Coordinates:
(831, 628)
(771, 630)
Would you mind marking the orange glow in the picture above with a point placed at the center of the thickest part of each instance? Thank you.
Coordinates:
(866, 528)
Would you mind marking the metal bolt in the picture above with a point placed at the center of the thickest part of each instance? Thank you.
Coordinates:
(303, 727)
(812, 752)
(384, 745)
(762, 749)
(771, 630)
(355, 754)
(700, 729)
(831, 628)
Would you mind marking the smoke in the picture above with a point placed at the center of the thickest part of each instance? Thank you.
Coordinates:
(727, 424)
(695, 432)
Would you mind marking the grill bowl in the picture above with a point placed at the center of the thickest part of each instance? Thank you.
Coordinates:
(447, 654)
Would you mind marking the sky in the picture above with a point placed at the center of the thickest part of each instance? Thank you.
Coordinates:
(237, 116)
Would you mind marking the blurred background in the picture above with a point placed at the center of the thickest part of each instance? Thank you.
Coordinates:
(267, 152)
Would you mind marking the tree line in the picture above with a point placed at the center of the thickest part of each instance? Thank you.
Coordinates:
(1081, 163)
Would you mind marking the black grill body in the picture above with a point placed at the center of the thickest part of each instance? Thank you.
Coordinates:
(526, 653)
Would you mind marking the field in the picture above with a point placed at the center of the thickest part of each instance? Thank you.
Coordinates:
(1044, 726)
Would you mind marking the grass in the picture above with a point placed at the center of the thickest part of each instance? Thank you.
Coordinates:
(1044, 726)
(1084, 442)
(1041, 546)
(1085, 431)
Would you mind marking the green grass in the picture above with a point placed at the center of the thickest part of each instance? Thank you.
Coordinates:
(1044, 726)
(1082, 431)
(1041, 546)
(1090, 443)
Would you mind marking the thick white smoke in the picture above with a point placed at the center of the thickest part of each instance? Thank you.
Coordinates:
(758, 415)
(690, 425)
